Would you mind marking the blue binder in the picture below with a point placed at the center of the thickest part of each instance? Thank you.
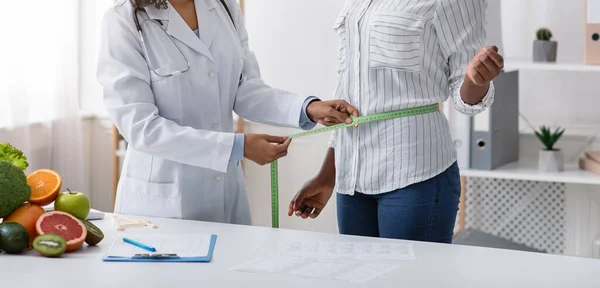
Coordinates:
(152, 257)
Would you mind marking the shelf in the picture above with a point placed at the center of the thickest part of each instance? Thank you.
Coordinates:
(523, 170)
(513, 65)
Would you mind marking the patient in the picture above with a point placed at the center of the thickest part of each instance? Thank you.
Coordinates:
(399, 178)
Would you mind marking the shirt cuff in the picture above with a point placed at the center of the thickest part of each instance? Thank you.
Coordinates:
(305, 122)
(237, 153)
(469, 109)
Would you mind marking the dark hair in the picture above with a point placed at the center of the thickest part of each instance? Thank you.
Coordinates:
(156, 3)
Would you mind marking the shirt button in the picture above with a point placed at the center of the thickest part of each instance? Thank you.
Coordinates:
(218, 178)
(215, 126)
(211, 74)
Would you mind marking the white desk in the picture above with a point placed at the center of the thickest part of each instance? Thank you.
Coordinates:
(436, 266)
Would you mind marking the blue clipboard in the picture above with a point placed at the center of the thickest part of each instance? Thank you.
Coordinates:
(169, 258)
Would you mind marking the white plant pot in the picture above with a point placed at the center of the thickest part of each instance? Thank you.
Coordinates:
(551, 161)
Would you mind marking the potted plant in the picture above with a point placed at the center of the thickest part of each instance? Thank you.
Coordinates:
(550, 158)
(544, 49)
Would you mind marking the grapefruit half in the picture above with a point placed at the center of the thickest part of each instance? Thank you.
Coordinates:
(65, 225)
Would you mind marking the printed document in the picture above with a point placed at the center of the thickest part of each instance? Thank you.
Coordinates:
(356, 262)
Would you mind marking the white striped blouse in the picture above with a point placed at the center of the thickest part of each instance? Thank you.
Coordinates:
(397, 54)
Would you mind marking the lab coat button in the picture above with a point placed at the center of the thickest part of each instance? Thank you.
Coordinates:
(211, 74)
(218, 178)
(215, 126)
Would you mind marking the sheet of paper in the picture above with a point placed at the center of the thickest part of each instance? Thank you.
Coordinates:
(274, 263)
(356, 262)
(349, 250)
(356, 271)
(299, 249)
(184, 245)
(366, 272)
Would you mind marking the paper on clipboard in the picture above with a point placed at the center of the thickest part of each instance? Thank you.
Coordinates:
(184, 245)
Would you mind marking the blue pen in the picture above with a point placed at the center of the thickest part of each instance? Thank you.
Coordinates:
(138, 244)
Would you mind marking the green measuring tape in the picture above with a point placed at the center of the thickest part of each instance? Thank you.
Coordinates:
(355, 122)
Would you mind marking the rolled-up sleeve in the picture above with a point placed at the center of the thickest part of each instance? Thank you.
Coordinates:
(331, 143)
(460, 26)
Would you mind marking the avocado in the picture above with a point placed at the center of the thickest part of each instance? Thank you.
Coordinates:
(14, 189)
(14, 238)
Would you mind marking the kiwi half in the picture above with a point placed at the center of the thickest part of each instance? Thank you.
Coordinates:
(50, 245)
(94, 235)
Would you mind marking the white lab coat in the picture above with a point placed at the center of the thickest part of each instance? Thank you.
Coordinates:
(180, 129)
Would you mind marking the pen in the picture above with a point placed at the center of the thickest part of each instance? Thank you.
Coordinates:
(138, 244)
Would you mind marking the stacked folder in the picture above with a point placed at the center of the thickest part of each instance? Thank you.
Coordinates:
(591, 162)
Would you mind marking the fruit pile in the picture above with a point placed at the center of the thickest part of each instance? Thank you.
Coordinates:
(25, 224)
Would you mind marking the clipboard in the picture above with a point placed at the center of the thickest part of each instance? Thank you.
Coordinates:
(161, 255)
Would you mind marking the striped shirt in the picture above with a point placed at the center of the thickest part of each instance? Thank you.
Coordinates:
(397, 54)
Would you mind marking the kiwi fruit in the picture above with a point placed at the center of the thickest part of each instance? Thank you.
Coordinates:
(50, 245)
(94, 234)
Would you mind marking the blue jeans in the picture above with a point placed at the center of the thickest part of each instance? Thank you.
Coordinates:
(424, 211)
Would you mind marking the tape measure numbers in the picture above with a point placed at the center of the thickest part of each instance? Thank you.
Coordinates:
(355, 122)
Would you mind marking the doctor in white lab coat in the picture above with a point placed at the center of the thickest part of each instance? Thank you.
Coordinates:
(183, 156)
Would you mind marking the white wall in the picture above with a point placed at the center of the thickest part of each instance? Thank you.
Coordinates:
(566, 98)
(295, 43)
(297, 49)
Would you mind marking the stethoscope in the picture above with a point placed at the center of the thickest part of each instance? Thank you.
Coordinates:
(152, 67)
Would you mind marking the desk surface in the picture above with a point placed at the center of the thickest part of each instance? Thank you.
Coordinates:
(437, 265)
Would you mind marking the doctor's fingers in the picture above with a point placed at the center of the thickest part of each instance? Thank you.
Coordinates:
(328, 121)
(337, 116)
(345, 107)
(283, 147)
(275, 139)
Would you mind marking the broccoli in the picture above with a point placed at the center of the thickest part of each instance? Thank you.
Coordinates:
(13, 155)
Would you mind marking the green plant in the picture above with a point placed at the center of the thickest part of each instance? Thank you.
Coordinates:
(544, 34)
(548, 137)
(13, 155)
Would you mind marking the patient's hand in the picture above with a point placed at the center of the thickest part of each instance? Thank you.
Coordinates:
(311, 199)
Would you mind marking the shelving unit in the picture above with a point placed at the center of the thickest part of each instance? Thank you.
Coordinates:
(513, 65)
(527, 170)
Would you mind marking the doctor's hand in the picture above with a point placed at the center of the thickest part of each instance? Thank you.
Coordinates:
(331, 112)
(311, 199)
(264, 149)
(485, 66)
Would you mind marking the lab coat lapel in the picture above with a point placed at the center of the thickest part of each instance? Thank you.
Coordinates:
(177, 28)
(207, 20)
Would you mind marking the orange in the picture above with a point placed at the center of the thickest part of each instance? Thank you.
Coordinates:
(27, 215)
(45, 185)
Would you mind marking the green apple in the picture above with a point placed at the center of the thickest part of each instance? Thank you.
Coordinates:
(74, 203)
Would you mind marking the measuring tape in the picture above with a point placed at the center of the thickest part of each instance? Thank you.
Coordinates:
(355, 122)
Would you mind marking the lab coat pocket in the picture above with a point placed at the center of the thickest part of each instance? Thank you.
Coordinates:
(340, 28)
(161, 200)
(395, 41)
